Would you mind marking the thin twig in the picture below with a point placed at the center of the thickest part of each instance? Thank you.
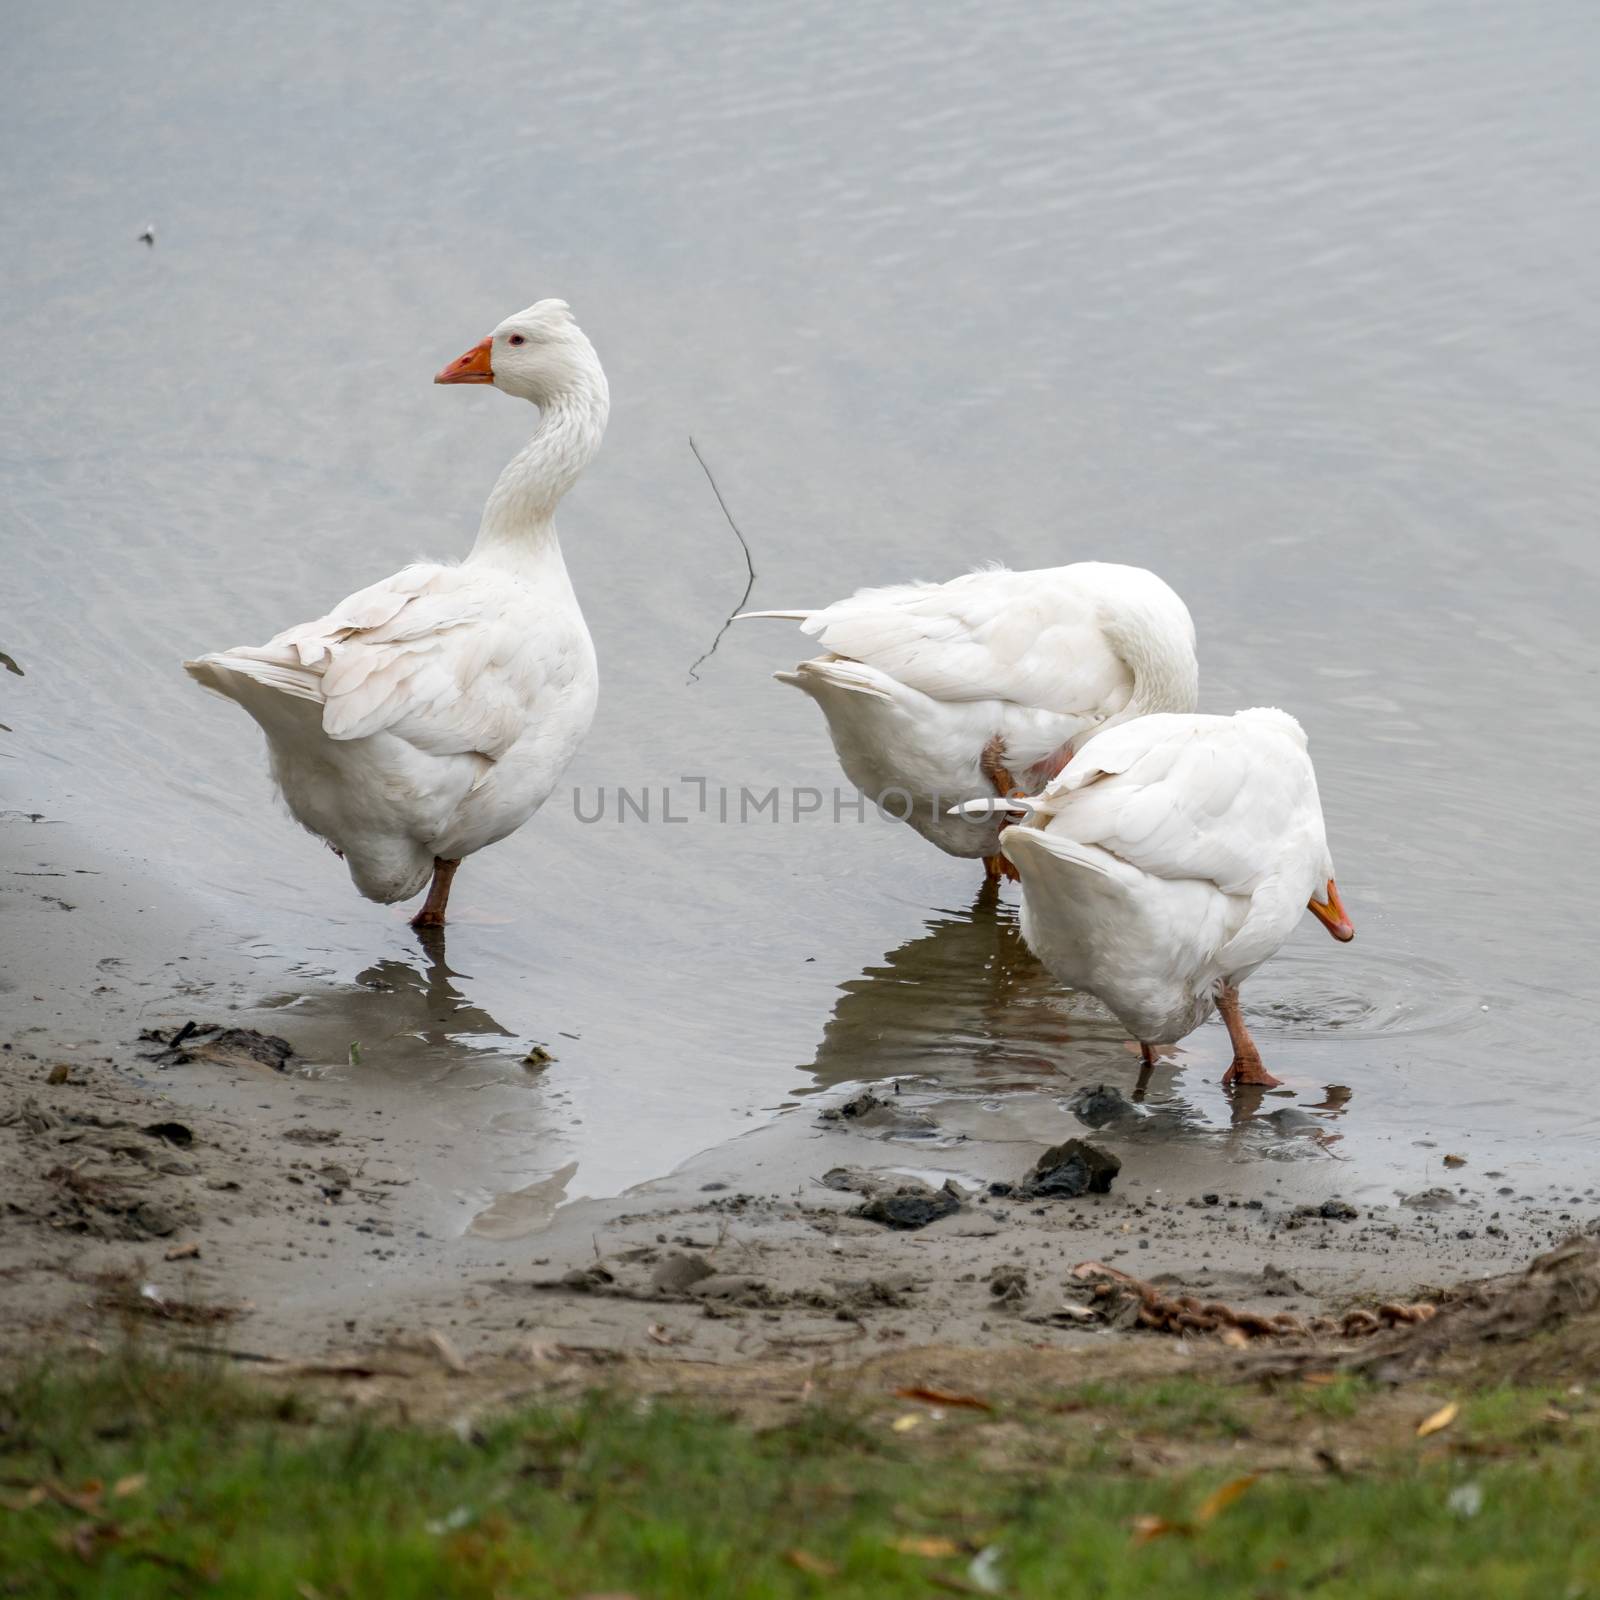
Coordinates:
(694, 676)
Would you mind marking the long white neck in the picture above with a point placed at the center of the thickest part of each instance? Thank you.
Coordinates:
(519, 518)
(1157, 643)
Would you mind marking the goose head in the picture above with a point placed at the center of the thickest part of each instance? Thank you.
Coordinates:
(539, 354)
(1326, 906)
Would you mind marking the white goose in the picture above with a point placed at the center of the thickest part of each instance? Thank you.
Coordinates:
(432, 714)
(1168, 861)
(937, 693)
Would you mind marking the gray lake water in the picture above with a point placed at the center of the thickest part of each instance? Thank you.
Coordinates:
(1295, 305)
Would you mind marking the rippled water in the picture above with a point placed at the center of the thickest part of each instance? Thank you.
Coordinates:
(1294, 305)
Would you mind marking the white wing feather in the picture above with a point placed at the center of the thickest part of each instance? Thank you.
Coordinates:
(992, 635)
(429, 655)
(1210, 798)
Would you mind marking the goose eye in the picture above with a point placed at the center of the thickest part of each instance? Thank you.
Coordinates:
(516, 338)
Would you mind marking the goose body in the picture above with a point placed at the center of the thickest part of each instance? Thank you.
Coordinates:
(940, 693)
(431, 714)
(1168, 861)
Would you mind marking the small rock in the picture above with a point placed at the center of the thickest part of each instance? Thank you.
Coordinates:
(1455, 1161)
(863, 1104)
(176, 1133)
(587, 1278)
(847, 1179)
(1277, 1283)
(537, 1057)
(1430, 1200)
(312, 1135)
(1071, 1169)
(1009, 1284)
(1333, 1210)
(155, 1220)
(59, 1073)
(679, 1272)
(1290, 1120)
(1100, 1104)
(221, 1046)
(912, 1205)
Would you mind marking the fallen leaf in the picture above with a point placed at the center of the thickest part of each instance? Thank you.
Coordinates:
(132, 1484)
(1148, 1527)
(86, 1498)
(441, 1346)
(804, 1561)
(1439, 1420)
(182, 1252)
(934, 1547)
(659, 1334)
(906, 1423)
(942, 1397)
(1219, 1500)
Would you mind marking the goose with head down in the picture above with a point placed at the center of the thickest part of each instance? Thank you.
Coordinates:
(432, 713)
(940, 693)
(1168, 861)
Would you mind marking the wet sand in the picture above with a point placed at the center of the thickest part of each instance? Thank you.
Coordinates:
(328, 1206)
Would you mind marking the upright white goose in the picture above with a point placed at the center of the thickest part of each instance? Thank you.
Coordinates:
(938, 693)
(432, 714)
(1168, 861)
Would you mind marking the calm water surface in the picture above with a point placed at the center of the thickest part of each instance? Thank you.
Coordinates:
(1295, 305)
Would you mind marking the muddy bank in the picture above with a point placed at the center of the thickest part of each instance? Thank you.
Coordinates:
(301, 1197)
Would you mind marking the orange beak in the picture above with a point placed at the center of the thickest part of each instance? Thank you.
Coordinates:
(1332, 914)
(473, 367)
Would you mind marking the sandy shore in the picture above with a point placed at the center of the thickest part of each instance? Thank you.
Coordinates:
(301, 1210)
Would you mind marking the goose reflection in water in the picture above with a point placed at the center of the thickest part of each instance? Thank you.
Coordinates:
(965, 1009)
(966, 1002)
(412, 1017)
(441, 1061)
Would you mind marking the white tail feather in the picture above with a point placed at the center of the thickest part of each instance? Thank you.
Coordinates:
(848, 675)
(296, 681)
(1013, 806)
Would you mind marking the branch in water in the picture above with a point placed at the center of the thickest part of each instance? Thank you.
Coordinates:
(694, 676)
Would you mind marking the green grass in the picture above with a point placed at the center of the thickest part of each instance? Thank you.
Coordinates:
(245, 1493)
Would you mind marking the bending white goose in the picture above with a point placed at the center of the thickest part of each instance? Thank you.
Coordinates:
(432, 714)
(937, 693)
(1168, 861)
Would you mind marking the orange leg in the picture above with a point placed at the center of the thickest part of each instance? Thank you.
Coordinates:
(1147, 1066)
(432, 913)
(1246, 1067)
(991, 763)
(997, 868)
